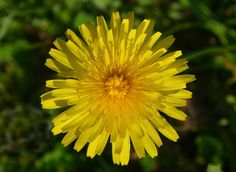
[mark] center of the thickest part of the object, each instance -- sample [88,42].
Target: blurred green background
[205,31]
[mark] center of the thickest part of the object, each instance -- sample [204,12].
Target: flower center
[117,86]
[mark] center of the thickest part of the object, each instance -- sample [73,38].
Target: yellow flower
[119,79]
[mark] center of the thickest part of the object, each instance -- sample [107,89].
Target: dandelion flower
[120,83]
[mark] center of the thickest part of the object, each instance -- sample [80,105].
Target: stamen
[117,86]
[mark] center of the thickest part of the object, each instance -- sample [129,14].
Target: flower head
[119,79]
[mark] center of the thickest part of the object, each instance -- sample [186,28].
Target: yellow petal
[165,43]
[118,145]
[59,92]
[115,156]
[181,94]
[156,119]
[169,132]
[177,82]
[60,68]
[58,128]
[151,41]
[125,153]
[111,45]
[174,112]
[59,102]
[77,109]
[62,83]
[102,141]
[135,130]
[175,102]
[69,138]
[152,132]
[88,32]
[61,58]
[149,146]
[103,25]
[155,56]
[91,151]
[145,27]
[130,17]
[82,140]
[167,59]
[114,133]
[138,146]
[124,29]
[73,37]
[115,21]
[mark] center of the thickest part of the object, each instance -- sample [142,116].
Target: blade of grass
[6,23]
[203,52]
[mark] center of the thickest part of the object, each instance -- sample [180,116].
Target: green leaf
[214,168]
[6,53]
[82,17]
[147,164]
[209,149]
[102,5]
[145,2]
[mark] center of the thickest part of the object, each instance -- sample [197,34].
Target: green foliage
[214,168]
[56,160]
[204,29]
[209,149]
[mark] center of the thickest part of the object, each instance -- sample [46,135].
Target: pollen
[117,86]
